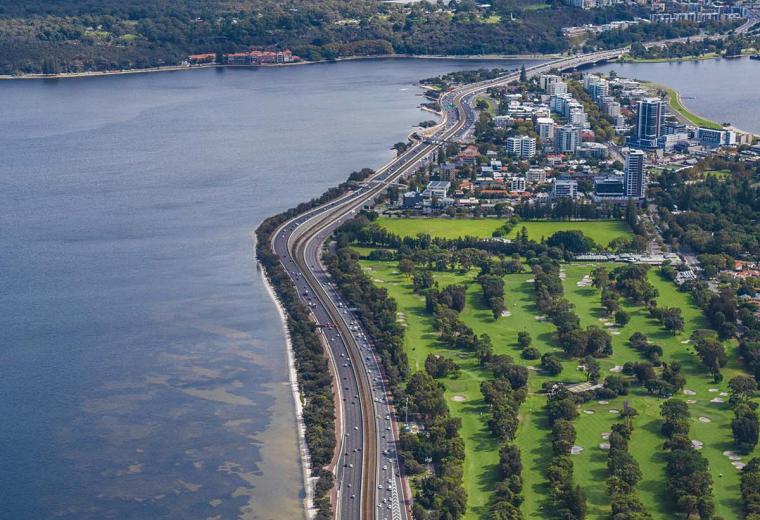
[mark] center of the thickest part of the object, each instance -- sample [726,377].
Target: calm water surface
[727,91]
[142,366]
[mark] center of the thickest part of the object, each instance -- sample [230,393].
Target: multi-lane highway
[368,479]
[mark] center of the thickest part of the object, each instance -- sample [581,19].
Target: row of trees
[625,474]
[689,480]
[568,499]
[441,494]
[744,426]
[750,487]
[376,311]
[440,449]
[575,341]
[493,293]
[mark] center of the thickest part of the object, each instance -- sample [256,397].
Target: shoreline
[181,68]
[305,457]
[686,115]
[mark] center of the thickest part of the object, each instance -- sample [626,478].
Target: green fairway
[442,227]
[465,401]
[601,231]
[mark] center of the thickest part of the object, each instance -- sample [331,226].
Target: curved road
[368,480]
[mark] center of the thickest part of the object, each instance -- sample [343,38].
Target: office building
[556,89]
[635,174]
[714,138]
[611,187]
[536,175]
[566,139]
[564,188]
[523,146]
[651,113]
[548,79]
[436,189]
[517,184]
[545,128]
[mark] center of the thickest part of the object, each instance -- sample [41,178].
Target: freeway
[369,482]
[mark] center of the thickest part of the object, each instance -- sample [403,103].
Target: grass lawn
[442,227]
[491,104]
[533,439]
[674,99]
[601,231]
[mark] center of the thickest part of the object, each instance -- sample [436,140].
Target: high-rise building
[566,139]
[545,128]
[635,174]
[556,89]
[522,146]
[548,79]
[651,113]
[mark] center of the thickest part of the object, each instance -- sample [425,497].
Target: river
[143,371]
[726,91]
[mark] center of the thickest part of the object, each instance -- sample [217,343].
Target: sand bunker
[689,392]
[576,450]
[605,446]
[686,341]
[605,435]
[691,401]
[458,398]
[723,394]
[617,368]
[738,465]
[697,444]
[612,410]
[704,419]
[603,402]
[717,400]
[712,390]
[506,314]
[589,412]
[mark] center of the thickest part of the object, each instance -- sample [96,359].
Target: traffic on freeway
[369,482]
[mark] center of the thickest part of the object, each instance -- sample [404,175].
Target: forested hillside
[73,35]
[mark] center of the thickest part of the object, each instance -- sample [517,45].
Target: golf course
[708,402]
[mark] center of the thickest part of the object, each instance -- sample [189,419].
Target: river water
[143,371]
[726,91]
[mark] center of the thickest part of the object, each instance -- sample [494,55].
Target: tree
[712,353]
[742,388]
[405,266]
[551,364]
[524,339]
[672,319]
[422,280]
[622,318]
[745,427]
[600,277]
[523,74]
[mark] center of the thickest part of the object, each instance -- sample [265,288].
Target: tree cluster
[568,499]
[625,475]
[440,494]
[689,481]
